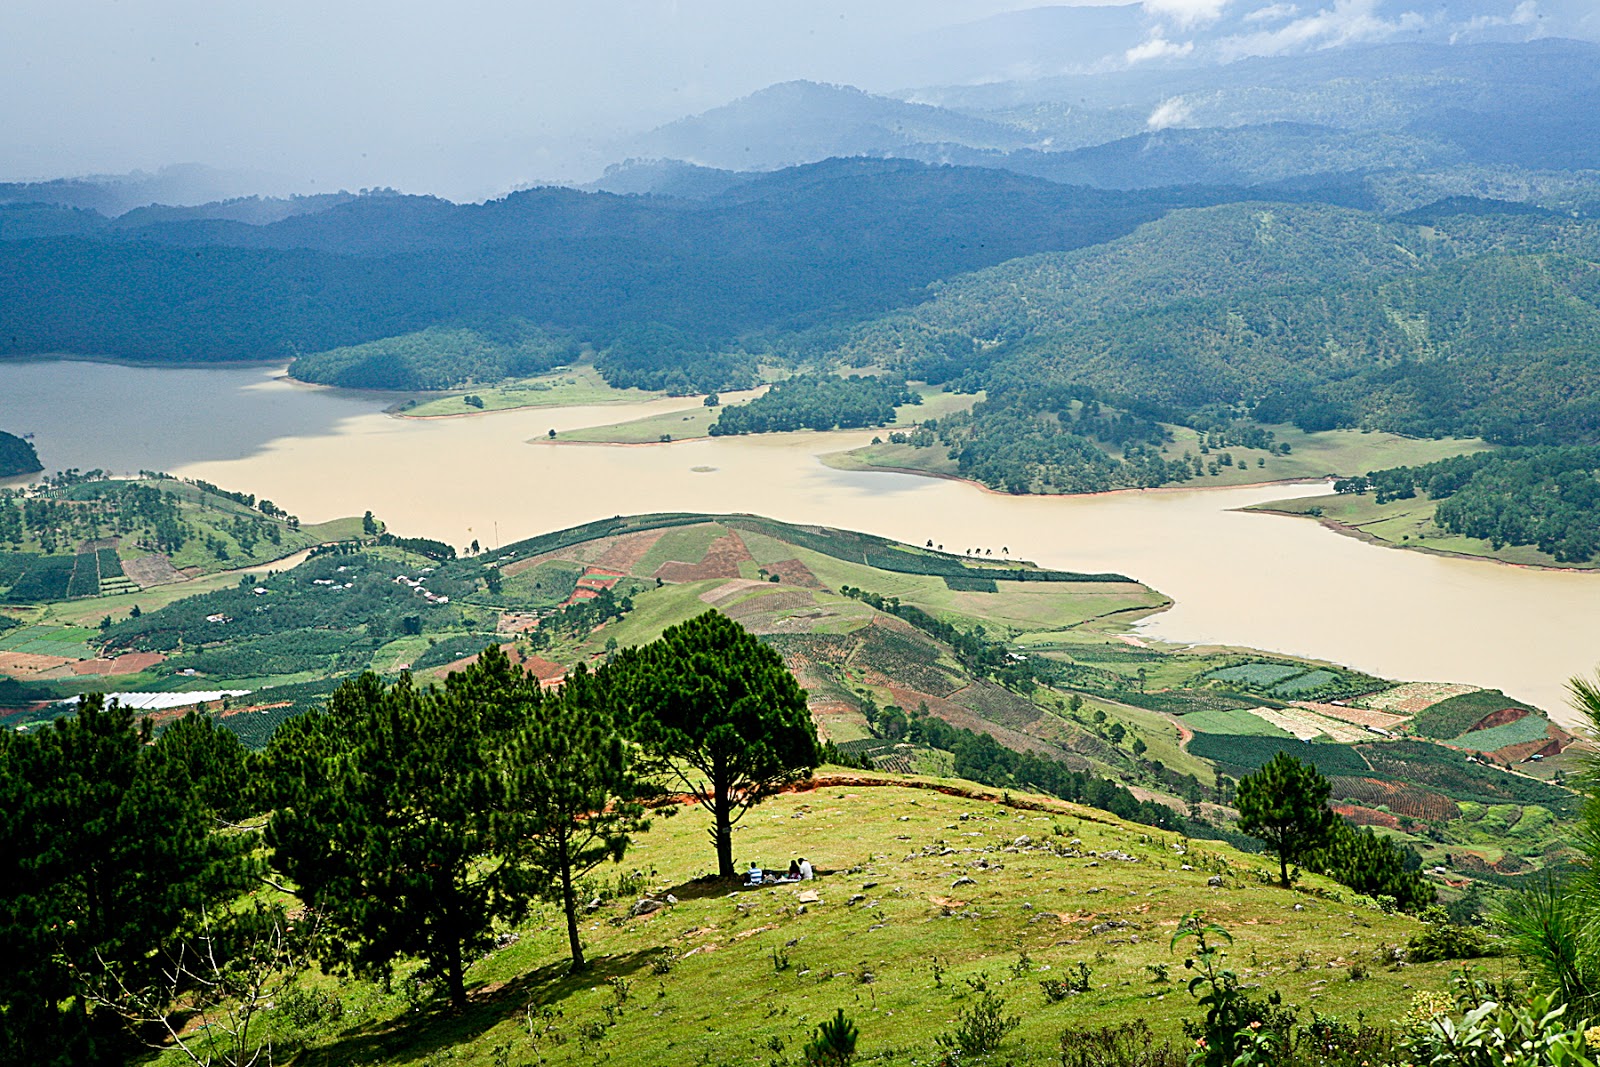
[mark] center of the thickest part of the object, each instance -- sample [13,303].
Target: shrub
[980,1029]
[1128,1045]
[833,1044]
[1442,939]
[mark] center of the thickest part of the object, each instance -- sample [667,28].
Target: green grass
[570,386]
[1232,722]
[681,425]
[745,974]
[685,544]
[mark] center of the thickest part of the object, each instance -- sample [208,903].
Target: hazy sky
[381,93]
[469,98]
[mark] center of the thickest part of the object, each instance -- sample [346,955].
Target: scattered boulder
[647,906]
[1215,881]
[963,880]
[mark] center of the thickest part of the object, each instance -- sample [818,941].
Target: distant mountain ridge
[1351,110]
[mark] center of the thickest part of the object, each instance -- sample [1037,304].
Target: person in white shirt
[806,873]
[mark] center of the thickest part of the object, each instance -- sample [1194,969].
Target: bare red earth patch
[793,572]
[722,561]
[1360,816]
[1499,718]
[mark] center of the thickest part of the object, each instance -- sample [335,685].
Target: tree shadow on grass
[704,888]
[418,1035]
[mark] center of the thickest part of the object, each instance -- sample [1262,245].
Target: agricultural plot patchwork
[1292,681]
[1048,674]
[1410,698]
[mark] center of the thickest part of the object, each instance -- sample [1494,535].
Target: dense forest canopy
[17,456]
[833,240]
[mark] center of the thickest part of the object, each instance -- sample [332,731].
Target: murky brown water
[1264,581]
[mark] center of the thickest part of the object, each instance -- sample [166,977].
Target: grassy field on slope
[892,938]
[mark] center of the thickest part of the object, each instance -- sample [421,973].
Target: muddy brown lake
[1264,581]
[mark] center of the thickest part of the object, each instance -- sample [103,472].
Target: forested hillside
[816,244]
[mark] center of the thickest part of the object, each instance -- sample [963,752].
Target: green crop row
[1243,752]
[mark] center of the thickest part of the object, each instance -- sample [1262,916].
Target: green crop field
[44,640]
[1257,675]
[1232,722]
[1247,752]
[1529,728]
[1455,716]
[1304,683]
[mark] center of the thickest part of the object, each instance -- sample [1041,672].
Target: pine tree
[108,856]
[1285,804]
[574,796]
[388,809]
[721,713]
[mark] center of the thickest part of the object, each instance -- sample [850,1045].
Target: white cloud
[1173,111]
[1273,13]
[1346,22]
[1525,14]
[1158,47]
[1186,12]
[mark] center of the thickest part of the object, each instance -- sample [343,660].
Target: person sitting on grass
[794,871]
[806,873]
[753,875]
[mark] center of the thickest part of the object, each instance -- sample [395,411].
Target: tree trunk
[722,816]
[722,834]
[570,903]
[1283,868]
[453,974]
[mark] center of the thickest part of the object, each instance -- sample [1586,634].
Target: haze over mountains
[929,86]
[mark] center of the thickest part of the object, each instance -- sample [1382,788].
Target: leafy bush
[1494,1034]
[1124,1045]
[1442,939]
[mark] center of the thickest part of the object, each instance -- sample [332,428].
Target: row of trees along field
[406,821]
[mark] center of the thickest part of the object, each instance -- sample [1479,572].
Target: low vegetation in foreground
[1026,805]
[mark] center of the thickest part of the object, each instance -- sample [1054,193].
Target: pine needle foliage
[721,713]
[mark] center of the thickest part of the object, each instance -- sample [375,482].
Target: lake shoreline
[1344,529]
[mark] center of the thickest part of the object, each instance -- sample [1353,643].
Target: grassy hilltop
[744,977]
